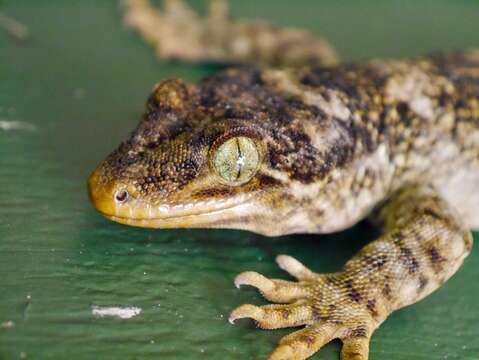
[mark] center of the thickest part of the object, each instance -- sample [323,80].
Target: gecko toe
[275,316]
[294,268]
[303,343]
[355,348]
[274,290]
[255,279]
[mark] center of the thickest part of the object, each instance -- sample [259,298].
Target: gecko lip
[145,215]
[206,219]
[168,214]
[200,214]
[211,217]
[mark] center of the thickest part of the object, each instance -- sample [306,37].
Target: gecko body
[312,149]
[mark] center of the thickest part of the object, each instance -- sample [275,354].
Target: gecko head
[212,155]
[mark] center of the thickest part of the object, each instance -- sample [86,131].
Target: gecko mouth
[117,205]
[197,215]
[212,213]
[214,218]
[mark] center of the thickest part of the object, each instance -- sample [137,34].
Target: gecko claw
[245,311]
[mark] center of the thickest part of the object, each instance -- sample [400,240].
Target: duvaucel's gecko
[289,142]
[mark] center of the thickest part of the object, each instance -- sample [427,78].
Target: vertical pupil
[239,160]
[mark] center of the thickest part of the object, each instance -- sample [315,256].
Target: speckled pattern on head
[306,149]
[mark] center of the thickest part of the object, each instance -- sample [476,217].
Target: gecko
[288,140]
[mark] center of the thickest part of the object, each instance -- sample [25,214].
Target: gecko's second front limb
[177,32]
[423,244]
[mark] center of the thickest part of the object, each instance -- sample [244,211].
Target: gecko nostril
[121,196]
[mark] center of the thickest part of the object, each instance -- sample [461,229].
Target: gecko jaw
[202,220]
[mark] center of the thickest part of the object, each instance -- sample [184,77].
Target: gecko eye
[236,160]
[121,196]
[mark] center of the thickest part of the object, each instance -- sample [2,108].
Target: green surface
[81,81]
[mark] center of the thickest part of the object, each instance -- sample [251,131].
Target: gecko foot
[326,304]
[176,30]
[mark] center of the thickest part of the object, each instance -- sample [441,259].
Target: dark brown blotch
[213,192]
[308,340]
[422,283]
[432,213]
[371,306]
[398,237]
[360,331]
[353,293]
[403,109]
[285,313]
[376,262]
[315,314]
[266,181]
[408,260]
[386,291]
[434,255]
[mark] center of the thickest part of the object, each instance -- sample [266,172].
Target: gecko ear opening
[169,96]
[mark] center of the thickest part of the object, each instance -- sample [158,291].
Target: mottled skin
[397,141]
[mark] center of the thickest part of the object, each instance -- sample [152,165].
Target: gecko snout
[104,195]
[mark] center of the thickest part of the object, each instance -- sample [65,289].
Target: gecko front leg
[177,32]
[422,246]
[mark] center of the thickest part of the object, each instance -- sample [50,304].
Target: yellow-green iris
[236,160]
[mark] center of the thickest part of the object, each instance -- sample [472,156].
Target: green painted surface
[81,81]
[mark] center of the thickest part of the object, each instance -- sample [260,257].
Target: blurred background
[70,91]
